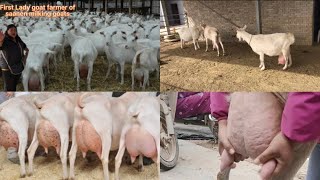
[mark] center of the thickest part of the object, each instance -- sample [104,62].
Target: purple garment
[300,118]
[192,104]
[219,105]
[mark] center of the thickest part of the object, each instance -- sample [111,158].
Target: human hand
[1,36]
[280,150]
[9,94]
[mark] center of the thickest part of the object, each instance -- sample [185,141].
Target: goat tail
[38,103]
[81,104]
[291,38]
[137,59]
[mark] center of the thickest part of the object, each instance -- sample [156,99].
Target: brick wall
[276,16]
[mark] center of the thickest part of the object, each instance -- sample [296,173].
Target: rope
[228,20]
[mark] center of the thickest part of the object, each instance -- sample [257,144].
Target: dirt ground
[190,70]
[50,168]
[62,79]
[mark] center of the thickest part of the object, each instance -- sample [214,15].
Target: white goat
[277,44]
[37,59]
[119,54]
[214,35]
[82,52]
[190,34]
[144,61]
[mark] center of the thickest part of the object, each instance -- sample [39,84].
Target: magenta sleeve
[219,105]
[301,117]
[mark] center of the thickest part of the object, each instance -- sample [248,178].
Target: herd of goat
[90,121]
[121,38]
[277,44]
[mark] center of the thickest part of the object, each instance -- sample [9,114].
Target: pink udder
[48,136]
[281,59]
[140,141]
[88,138]
[8,137]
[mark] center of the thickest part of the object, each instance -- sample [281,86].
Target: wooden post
[165,15]
[143,7]
[151,4]
[258,16]
[107,6]
[104,5]
[92,4]
[130,7]
[121,5]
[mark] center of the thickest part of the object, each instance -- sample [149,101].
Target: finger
[238,157]
[279,167]
[267,169]
[265,156]
[233,166]
[227,145]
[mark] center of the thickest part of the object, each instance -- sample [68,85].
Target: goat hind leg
[195,45]
[207,41]
[222,46]
[216,45]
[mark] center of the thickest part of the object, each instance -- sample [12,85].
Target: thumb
[227,146]
[267,155]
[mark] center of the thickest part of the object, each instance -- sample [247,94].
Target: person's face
[12,32]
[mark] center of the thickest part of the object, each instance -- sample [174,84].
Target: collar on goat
[250,39]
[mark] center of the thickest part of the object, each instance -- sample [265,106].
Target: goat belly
[140,141]
[48,136]
[254,120]
[8,137]
[87,138]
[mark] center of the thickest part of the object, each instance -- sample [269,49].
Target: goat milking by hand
[277,44]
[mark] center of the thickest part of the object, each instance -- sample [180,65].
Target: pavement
[197,162]
[200,163]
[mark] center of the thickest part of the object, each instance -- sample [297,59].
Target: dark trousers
[10,81]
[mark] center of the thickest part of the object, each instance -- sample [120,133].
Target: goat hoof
[140,168]
[218,55]
[22,176]
[224,54]
[263,68]
[207,50]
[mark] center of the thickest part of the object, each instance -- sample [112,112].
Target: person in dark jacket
[12,58]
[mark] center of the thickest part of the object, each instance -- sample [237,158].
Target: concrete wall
[276,16]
